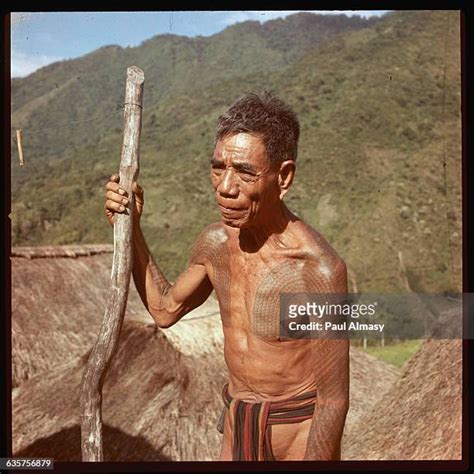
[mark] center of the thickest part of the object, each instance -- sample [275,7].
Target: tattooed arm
[331,359]
[167,302]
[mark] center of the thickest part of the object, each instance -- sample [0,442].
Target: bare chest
[250,286]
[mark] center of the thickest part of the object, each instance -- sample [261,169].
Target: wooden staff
[104,348]
[20,147]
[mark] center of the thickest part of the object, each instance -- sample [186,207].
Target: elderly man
[285,399]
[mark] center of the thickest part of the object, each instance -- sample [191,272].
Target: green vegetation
[396,354]
[370,98]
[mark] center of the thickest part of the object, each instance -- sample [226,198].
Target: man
[286,399]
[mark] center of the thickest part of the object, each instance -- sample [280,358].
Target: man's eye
[247,176]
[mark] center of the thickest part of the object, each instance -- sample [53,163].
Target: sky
[41,38]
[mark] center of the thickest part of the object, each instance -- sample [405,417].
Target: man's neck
[254,237]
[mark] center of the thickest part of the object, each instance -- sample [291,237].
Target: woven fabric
[252,422]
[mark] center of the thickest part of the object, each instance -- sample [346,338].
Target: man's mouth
[229,211]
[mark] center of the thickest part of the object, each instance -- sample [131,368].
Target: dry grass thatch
[58,302]
[162,392]
[420,417]
[56,251]
[370,379]
[158,404]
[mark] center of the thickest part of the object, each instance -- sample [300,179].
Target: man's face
[246,186]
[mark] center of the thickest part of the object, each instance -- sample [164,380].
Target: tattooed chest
[249,292]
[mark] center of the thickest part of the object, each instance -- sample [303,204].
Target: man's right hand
[117,200]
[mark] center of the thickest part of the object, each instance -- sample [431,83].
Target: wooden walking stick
[104,348]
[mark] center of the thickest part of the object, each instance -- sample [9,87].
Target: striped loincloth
[252,423]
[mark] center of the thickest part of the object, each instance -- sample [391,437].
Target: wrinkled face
[245,183]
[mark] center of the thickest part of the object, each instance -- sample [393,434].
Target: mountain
[380,150]
[94,84]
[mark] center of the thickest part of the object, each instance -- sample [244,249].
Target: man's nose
[228,185]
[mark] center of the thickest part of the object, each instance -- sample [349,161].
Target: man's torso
[248,284]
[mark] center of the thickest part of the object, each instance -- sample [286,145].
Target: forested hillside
[379,166]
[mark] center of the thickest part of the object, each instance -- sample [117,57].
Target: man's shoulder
[317,248]
[211,239]
[213,234]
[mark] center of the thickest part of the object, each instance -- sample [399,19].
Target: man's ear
[285,176]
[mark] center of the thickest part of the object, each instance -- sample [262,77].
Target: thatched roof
[56,251]
[420,417]
[158,403]
[58,302]
[370,379]
[149,371]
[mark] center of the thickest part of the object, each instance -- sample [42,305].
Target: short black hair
[267,116]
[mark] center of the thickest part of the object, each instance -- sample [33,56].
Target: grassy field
[395,354]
